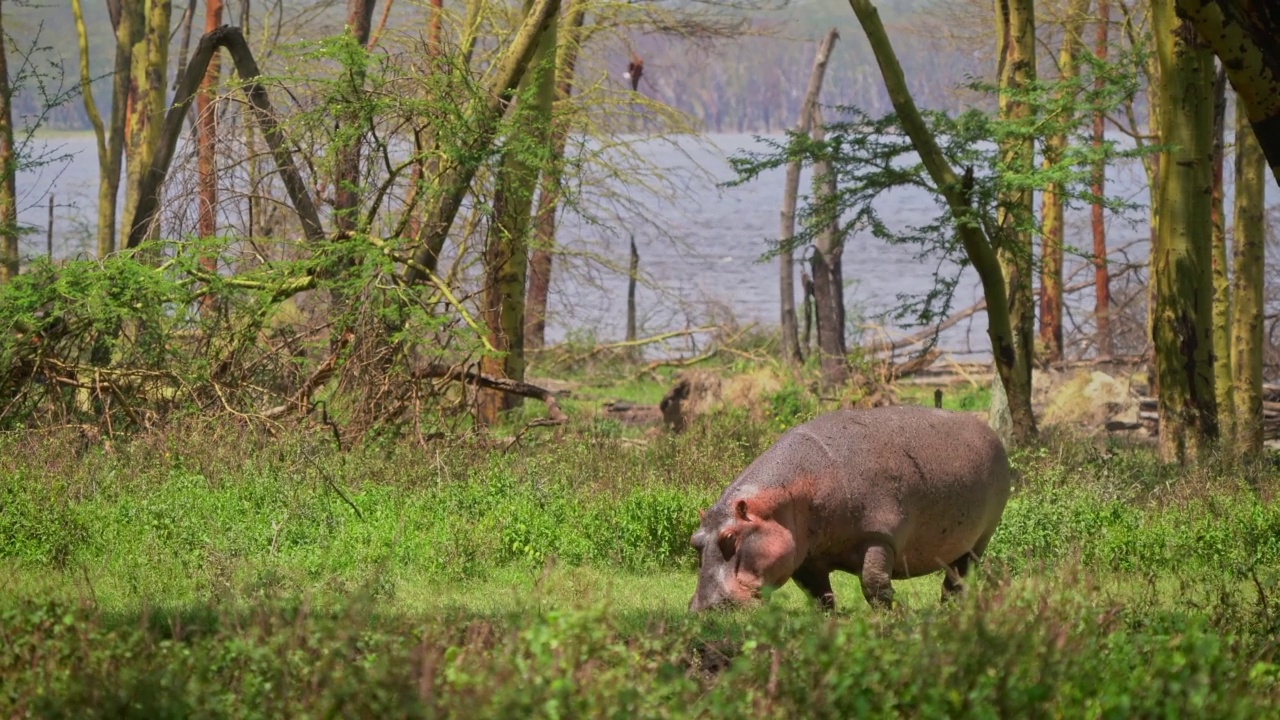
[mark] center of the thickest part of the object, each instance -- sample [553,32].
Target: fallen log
[466,376]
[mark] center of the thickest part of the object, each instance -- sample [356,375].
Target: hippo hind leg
[953,583]
[877,571]
[817,584]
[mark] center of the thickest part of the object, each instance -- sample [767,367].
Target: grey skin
[887,493]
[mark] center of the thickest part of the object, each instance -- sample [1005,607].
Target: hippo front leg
[817,584]
[877,571]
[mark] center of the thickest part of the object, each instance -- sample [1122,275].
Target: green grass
[212,574]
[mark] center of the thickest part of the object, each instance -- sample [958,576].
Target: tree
[1223,389]
[541,257]
[1015,71]
[206,135]
[506,251]
[791,351]
[150,65]
[8,172]
[1182,312]
[979,246]
[1249,246]
[1097,212]
[1242,33]
[826,262]
[1053,203]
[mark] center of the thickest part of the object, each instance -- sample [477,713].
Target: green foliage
[1116,586]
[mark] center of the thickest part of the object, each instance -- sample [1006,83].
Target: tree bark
[1182,315]
[150,67]
[106,205]
[206,134]
[8,173]
[956,191]
[791,351]
[1224,399]
[828,285]
[1242,33]
[484,115]
[1053,204]
[632,274]
[506,254]
[542,256]
[346,172]
[1249,246]
[1015,71]
[1101,275]
[247,68]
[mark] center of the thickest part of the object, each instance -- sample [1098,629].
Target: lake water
[699,244]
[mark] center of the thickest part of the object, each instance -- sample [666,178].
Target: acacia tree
[8,171]
[1015,70]
[1097,212]
[1053,203]
[1182,319]
[1243,35]
[506,243]
[542,247]
[150,65]
[1249,248]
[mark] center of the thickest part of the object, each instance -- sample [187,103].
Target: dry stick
[455,373]
[790,340]
[49,230]
[148,194]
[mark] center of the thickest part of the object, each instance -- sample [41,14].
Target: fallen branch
[454,373]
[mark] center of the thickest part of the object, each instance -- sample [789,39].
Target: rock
[700,392]
[1093,399]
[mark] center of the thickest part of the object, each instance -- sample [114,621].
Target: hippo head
[742,549]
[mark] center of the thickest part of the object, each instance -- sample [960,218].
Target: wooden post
[49,230]
[937,398]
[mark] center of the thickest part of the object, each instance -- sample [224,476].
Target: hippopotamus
[886,493]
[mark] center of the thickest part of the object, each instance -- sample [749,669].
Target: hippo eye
[728,544]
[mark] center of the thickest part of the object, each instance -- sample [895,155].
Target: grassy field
[212,573]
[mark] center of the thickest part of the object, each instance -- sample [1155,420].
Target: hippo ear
[741,509]
[702,514]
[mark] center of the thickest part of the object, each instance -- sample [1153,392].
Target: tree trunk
[506,252]
[791,351]
[1243,35]
[150,70]
[632,274]
[544,223]
[106,229]
[127,23]
[1101,275]
[8,172]
[828,287]
[148,195]
[346,171]
[206,134]
[956,191]
[1016,70]
[1248,245]
[1053,204]
[1224,399]
[1182,315]
[483,119]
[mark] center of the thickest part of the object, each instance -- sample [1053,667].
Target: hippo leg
[817,584]
[877,569]
[953,582]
